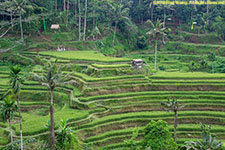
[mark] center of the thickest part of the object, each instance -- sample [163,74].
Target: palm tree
[52,78]
[119,13]
[7,110]
[156,32]
[173,105]
[20,8]
[79,11]
[16,82]
[85,20]
[165,9]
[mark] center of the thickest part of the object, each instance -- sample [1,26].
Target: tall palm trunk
[93,27]
[21,133]
[55,6]
[11,19]
[156,42]
[21,28]
[64,5]
[67,12]
[164,23]
[175,125]
[207,8]
[11,137]
[52,122]
[152,11]
[75,11]
[114,35]
[79,19]
[85,19]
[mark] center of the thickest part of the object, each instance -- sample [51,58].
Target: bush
[141,42]
[157,136]
[193,66]
[161,67]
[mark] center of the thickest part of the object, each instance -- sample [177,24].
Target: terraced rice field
[103,111]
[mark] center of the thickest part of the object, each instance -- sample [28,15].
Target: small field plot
[188,75]
[83,55]
[4,138]
[34,124]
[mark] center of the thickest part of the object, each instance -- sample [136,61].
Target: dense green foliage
[157,136]
[115,26]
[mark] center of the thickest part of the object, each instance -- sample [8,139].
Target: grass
[93,79]
[4,139]
[102,139]
[4,81]
[159,94]
[187,75]
[100,66]
[109,127]
[34,124]
[128,131]
[150,115]
[83,55]
[189,81]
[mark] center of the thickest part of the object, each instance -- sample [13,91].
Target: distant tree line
[88,19]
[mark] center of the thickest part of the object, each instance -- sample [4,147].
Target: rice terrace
[112,75]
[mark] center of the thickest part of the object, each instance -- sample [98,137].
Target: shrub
[141,42]
[157,136]
[161,67]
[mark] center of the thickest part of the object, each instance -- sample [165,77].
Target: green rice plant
[32,87]
[83,55]
[101,66]
[189,81]
[34,124]
[34,103]
[158,94]
[93,79]
[187,75]
[3,125]
[4,137]
[150,115]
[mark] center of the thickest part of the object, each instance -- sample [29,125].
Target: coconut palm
[51,78]
[16,82]
[7,110]
[119,13]
[165,9]
[85,20]
[79,11]
[20,8]
[173,105]
[156,32]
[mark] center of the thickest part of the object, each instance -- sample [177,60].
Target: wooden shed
[138,63]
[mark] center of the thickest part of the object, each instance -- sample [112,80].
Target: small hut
[138,63]
[55,26]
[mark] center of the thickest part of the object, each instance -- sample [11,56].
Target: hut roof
[137,60]
[55,26]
